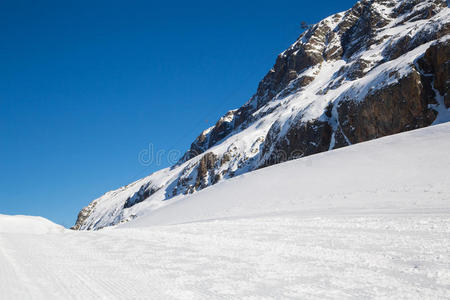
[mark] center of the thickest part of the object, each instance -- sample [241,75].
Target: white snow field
[368,221]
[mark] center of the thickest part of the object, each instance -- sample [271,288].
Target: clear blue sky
[86,85]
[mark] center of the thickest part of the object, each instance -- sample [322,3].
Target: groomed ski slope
[367,221]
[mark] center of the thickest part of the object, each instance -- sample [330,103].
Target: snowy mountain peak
[380,68]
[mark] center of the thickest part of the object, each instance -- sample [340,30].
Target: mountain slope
[402,173]
[380,68]
[303,229]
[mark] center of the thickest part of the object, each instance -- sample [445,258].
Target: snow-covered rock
[380,68]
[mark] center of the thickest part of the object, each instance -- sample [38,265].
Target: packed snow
[367,221]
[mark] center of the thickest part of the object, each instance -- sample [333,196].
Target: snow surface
[367,221]
[27,225]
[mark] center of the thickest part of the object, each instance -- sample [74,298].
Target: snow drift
[27,225]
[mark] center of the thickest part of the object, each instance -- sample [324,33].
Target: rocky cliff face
[380,68]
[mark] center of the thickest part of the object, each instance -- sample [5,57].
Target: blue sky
[85,86]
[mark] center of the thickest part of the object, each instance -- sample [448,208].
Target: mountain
[380,68]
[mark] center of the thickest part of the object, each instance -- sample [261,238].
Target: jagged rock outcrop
[380,68]
[143,194]
[394,109]
[205,174]
[436,63]
[83,215]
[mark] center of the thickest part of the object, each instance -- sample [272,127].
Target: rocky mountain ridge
[380,68]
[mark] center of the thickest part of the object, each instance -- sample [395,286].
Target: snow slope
[408,171]
[27,225]
[379,228]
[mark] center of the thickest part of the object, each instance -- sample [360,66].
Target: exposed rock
[205,167]
[397,108]
[358,69]
[144,193]
[359,27]
[413,10]
[408,43]
[302,139]
[436,61]
[83,215]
